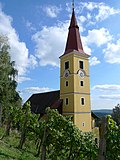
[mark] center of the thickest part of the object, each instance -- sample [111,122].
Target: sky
[37,33]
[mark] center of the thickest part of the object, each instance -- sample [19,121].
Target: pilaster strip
[74,93]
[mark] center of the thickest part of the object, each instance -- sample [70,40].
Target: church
[73,98]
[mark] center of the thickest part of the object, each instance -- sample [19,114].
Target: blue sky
[37,32]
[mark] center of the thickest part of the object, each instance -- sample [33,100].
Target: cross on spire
[73,4]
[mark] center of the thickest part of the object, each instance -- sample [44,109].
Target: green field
[9,150]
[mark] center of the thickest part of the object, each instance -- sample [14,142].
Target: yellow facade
[74,92]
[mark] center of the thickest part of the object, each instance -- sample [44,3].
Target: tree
[9,97]
[116,114]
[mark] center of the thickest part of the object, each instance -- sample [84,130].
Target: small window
[67,65]
[66,101]
[82,101]
[81,64]
[66,83]
[83,124]
[81,83]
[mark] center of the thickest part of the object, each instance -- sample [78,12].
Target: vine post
[102,144]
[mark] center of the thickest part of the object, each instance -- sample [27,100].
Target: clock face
[66,73]
[81,73]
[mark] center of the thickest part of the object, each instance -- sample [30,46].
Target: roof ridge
[47,92]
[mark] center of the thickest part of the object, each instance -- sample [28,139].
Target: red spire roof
[73,40]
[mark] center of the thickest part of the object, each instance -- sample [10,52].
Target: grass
[9,150]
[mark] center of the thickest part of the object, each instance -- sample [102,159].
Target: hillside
[102,112]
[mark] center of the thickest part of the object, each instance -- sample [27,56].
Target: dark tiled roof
[39,102]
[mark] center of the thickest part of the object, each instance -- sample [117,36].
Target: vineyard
[56,137]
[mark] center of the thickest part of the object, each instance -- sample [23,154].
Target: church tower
[75,79]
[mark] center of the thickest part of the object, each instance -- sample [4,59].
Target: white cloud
[90,5]
[52,11]
[85,45]
[68,7]
[105,12]
[89,16]
[21,79]
[29,25]
[105,95]
[19,53]
[82,19]
[107,87]
[33,90]
[113,96]
[99,36]
[33,61]
[50,43]
[95,11]
[112,52]
[18,50]
[94,61]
